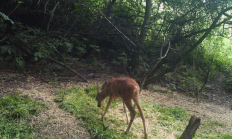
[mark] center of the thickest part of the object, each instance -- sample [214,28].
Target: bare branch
[158,61]
[14,9]
[51,15]
[116,28]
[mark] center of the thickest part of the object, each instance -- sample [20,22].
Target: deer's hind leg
[137,103]
[125,110]
[132,114]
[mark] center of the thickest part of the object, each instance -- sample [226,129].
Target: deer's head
[100,95]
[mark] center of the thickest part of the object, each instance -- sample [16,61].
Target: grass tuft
[177,113]
[14,112]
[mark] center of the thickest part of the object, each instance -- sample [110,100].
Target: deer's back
[123,87]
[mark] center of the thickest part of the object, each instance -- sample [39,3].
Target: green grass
[176,113]
[208,130]
[214,123]
[162,121]
[14,113]
[224,136]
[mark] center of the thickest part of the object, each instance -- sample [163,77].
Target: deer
[126,89]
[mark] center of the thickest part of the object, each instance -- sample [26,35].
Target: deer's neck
[105,93]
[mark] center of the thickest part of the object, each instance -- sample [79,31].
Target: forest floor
[55,123]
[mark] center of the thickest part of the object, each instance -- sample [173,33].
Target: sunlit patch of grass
[209,130]
[224,136]
[14,112]
[177,113]
[214,123]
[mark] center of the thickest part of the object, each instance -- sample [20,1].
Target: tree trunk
[134,61]
[191,128]
[145,21]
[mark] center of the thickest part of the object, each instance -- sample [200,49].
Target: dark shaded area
[125,35]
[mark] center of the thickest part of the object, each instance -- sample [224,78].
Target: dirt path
[52,122]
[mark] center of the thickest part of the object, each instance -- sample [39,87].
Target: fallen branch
[90,76]
[62,64]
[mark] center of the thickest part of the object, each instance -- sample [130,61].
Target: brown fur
[126,89]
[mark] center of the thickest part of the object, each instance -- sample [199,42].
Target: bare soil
[54,122]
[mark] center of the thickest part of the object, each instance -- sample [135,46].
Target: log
[191,128]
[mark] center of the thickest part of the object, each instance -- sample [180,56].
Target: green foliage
[98,64]
[229,83]
[185,79]
[120,60]
[14,112]
[91,91]
[188,83]
[40,47]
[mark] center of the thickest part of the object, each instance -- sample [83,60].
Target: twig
[159,59]
[46,6]
[14,9]
[51,16]
[3,39]
[116,27]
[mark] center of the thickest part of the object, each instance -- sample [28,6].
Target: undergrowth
[160,121]
[15,112]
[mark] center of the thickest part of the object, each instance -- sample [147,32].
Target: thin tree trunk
[145,21]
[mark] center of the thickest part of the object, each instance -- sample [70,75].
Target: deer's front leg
[103,115]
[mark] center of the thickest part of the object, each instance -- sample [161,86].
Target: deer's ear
[104,85]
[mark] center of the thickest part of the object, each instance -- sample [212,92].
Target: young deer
[123,88]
